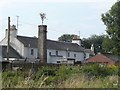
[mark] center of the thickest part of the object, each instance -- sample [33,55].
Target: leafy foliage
[10,79]
[97,40]
[100,70]
[66,37]
[112,21]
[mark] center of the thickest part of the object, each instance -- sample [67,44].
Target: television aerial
[43,17]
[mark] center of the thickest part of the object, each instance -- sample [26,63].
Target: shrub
[100,70]
[65,71]
[45,70]
[113,70]
[10,79]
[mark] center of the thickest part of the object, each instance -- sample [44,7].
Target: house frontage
[23,47]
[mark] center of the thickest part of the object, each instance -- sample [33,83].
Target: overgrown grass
[80,81]
[64,76]
[0,80]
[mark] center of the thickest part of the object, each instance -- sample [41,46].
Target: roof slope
[100,58]
[55,45]
[113,57]
[12,54]
[89,51]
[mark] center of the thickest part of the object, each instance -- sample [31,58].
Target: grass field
[0,80]
[65,76]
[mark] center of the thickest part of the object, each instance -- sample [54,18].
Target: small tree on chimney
[43,17]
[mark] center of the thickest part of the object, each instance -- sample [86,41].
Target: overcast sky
[63,16]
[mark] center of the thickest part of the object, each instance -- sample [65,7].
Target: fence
[27,65]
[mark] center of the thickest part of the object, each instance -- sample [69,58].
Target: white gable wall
[29,54]
[3,42]
[18,46]
[87,55]
[15,43]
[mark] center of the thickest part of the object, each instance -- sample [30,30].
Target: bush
[113,70]
[45,70]
[10,79]
[100,70]
[65,71]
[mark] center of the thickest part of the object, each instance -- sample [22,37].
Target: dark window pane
[32,51]
[56,52]
[68,54]
[74,55]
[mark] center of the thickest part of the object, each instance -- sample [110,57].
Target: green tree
[112,21]
[66,37]
[107,46]
[97,40]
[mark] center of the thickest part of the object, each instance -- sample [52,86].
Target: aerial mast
[43,17]
[17,21]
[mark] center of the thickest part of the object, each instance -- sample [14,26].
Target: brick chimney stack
[42,43]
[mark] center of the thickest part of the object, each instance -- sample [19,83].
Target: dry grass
[80,81]
[30,83]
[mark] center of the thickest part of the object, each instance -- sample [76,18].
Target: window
[56,53]
[32,51]
[49,53]
[74,55]
[58,61]
[68,54]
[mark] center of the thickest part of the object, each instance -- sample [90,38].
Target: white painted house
[57,52]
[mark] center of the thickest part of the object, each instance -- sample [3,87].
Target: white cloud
[4,1]
[74,0]
[103,5]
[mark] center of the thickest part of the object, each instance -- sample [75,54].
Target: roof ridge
[26,36]
[61,41]
[47,39]
[14,52]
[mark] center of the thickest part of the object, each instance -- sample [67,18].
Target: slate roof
[113,57]
[12,54]
[99,58]
[55,45]
[89,51]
